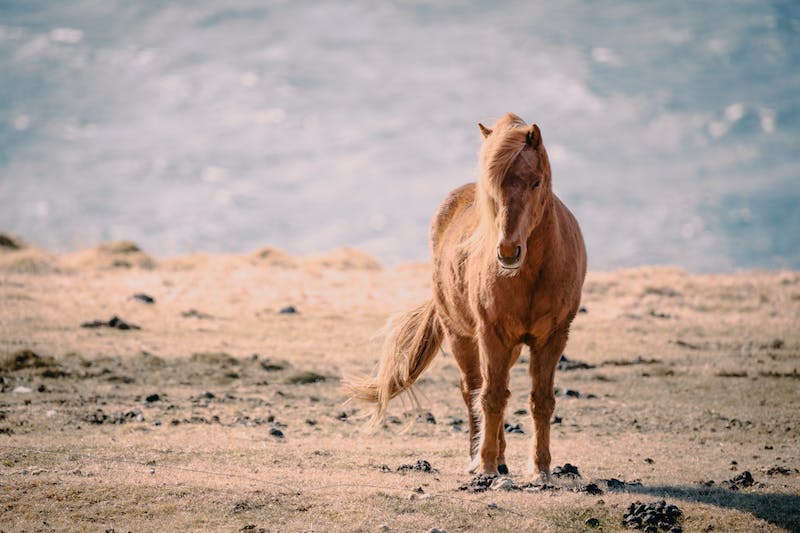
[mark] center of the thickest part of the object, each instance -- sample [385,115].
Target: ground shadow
[780,509]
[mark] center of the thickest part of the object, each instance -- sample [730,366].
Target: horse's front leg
[542,400]
[495,361]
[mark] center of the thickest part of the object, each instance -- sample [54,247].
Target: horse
[509,263]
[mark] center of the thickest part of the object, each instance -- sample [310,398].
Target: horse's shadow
[780,509]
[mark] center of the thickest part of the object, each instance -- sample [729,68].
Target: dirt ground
[223,413]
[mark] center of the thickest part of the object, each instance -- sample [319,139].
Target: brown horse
[508,267]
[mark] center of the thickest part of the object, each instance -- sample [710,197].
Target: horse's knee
[494,401]
[542,405]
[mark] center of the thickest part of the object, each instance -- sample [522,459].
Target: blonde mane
[497,154]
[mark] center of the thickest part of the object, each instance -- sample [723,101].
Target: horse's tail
[413,341]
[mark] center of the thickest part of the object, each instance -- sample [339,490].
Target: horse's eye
[536,184]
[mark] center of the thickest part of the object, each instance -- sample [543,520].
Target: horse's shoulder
[453,202]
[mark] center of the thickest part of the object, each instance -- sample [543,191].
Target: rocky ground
[203,393]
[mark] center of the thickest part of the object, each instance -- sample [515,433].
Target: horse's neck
[543,237]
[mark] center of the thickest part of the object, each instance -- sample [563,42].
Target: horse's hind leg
[465,352]
[542,400]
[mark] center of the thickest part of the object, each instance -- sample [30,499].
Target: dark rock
[275,432]
[426,417]
[25,359]
[152,398]
[305,377]
[288,310]
[592,489]
[652,516]
[513,428]
[115,323]
[557,420]
[572,393]
[420,466]
[778,470]
[194,313]
[567,470]
[479,483]
[273,365]
[142,297]
[616,484]
[565,363]
[41,388]
[592,522]
[582,310]
[207,395]
[743,480]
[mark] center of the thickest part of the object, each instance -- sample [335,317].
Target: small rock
[288,310]
[503,483]
[142,297]
[743,480]
[207,395]
[420,466]
[567,470]
[273,365]
[21,389]
[569,393]
[592,489]
[592,522]
[564,363]
[194,313]
[513,428]
[115,322]
[479,483]
[152,398]
[778,470]
[277,433]
[436,530]
[557,420]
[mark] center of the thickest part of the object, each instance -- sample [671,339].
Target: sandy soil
[223,413]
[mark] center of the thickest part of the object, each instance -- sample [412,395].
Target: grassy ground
[692,379]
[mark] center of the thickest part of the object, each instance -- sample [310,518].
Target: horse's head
[515,186]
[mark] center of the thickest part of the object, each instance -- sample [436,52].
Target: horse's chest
[520,312]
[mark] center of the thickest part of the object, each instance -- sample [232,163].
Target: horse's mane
[497,154]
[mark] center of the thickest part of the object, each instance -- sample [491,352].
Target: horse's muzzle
[512,261]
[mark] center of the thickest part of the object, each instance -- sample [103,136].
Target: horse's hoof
[502,470]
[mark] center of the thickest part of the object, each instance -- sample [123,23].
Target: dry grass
[711,379]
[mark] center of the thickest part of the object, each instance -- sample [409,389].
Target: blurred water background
[212,126]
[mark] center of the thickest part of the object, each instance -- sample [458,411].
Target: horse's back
[454,203]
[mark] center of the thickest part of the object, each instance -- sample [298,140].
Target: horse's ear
[484,130]
[534,137]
